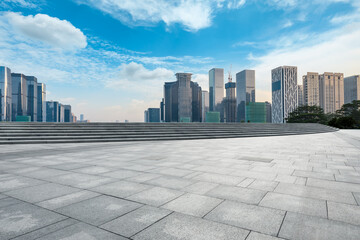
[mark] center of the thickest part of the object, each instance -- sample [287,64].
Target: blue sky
[110,58]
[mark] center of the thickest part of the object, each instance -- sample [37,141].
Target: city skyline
[112,74]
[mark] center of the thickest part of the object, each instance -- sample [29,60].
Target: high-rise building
[351,88]
[216,89]
[245,92]
[82,117]
[67,113]
[268,112]
[31,82]
[179,103]
[256,112]
[152,115]
[5,94]
[284,92]
[19,96]
[162,110]
[52,111]
[41,102]
[331,91]
[61,117]
[300,95]
[230,102]
[311,91]
[204,104]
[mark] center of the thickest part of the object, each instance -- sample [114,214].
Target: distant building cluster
[23,99]
[184,101]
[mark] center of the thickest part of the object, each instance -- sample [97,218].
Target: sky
[109,59]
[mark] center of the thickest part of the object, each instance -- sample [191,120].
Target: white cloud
[192,14]
[19,3]
[58,33]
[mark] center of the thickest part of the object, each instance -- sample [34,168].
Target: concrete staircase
[31,133]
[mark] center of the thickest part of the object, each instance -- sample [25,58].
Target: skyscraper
[268,112]
[284,92]
[216,89]
[245,92]
[52,111]
[351,88]
[331,91]
[204,104]
[152,115]
[41,102]
[31,82]
[162,110]
[67,113]
[230,102]
[5,94]
[300,95]
[311,91]
[179,103]
[19,95]
[61,116]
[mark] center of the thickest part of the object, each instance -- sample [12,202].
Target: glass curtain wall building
[216,90]
[196,102]
[256,112]
[61,117]
[19,96]
[52,111]
[204,104]
[152,115]
[245,92]
[5,94]
[67,113]
[230,102]
[41,102]
[31,82]
[351,88]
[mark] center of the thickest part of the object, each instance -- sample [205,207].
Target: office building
[41,102]
[19,96]
[179,103]
[67,113]
[162,110]
[268,112]
[230,102]
[61,117]
[256,112]
[284,92]
[351,88]
[5,94]
[204,104]
[300,95]
[152,115]
[52,111]
[212,117]
[245,92]
[331,91]
[82,117]
[311,89]
[216,89]
[31,82]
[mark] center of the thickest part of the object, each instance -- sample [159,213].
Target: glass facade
[152,115]
[52,111]
[213,117]
[61,116]
[32,97]
[204,105]
[216,88]
[245,92]
[351,88]
[19,96]
[184,95]
[67,113]
[41,102]
[256,112]
[230,102]
[5,94]
[196,102]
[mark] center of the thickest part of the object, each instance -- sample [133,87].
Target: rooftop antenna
[230,77]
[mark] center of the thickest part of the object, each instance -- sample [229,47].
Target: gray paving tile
[259,236]
[260,219]
[155,196]
[172,171]
[3,196]
[341,186]
[219,178]
[193,204]
[92,170]
[200,187]
[263,185]
[121,189]
[69,166]
[16,182]
[68,199]
[170,182]
[22,218]
[98,210]
[245,195]
[4,202]
[81,180]
[344,212]
[295,204]
[44,173]
[357,198]
[315,192]
[121,174]
[305,227]
[349,179]
[246,182]
[143,177]
[183,227]
[135,221]
[326,176]
[81,231]
[41,192]
[47,230]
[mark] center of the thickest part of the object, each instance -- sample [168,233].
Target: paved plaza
[266,188]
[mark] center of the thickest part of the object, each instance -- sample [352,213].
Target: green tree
[348,116]
[307,114]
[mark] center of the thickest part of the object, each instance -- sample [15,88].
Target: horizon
[118,71]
